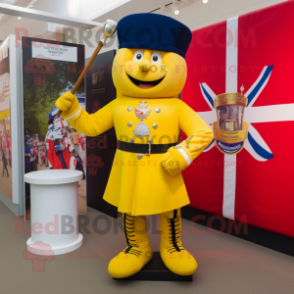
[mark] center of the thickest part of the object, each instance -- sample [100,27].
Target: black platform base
[155,270]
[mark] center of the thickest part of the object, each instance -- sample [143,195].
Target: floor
[226,264]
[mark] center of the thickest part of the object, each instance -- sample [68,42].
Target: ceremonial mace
[109,29]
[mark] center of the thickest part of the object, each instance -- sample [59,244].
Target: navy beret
[154,32]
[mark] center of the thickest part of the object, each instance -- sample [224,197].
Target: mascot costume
[149,72]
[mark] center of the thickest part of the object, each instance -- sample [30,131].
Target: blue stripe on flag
[207,95]
[260,84]
[258,149]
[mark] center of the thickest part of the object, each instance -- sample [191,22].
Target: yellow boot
[138,252]
[176,258]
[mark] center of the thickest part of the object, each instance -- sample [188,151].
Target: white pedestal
[54,211]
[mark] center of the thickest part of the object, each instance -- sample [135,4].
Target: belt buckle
[149,150]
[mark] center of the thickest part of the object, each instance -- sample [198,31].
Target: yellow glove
[175,161]
[69,104]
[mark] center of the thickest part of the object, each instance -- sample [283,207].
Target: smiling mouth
[145,84]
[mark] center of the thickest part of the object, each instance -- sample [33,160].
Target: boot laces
[129,228]
[174,235]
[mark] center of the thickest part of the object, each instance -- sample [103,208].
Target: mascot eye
[156,58]
[138,56]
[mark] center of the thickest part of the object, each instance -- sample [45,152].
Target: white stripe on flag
[229,186]
[232,55]
[231,86]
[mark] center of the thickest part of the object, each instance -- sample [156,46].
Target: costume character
[58,148]
[149,72]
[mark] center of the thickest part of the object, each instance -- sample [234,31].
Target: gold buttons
[150,141]
[132,140]
[157,110]
[130,124]
[140,156]
[129,108]
[155,126]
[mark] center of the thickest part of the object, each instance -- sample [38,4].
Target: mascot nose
[145,65]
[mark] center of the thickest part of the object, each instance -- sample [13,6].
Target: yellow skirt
[143,187]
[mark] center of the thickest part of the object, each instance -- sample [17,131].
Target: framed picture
[50,69]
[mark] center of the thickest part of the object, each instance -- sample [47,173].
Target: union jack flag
[254,50]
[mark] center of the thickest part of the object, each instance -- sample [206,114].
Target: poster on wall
[7,98]
[49,70]
[242,88]
[101,149]
[5,131]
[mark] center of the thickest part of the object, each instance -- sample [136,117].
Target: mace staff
[109,29]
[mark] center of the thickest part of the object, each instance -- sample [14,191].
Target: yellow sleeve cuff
[72,115]
[181,156]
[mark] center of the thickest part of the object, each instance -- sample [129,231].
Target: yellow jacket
[147,186]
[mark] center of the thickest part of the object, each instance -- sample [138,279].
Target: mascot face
[148,73]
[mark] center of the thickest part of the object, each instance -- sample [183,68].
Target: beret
[153,32]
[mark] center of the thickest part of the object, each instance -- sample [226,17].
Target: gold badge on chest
[142,113]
